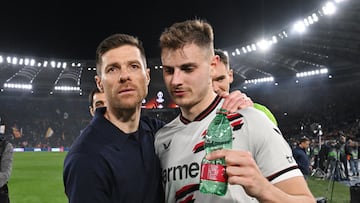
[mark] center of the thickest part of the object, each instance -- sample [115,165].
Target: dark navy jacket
[302,160]
[106,165]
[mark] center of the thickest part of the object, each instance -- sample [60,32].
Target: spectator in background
[222,77]
[354,157]
[301,157]
[6,156]
[96,100]
[344,154]
[188,59]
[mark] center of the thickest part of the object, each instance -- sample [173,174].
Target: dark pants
[344,161]
[4,194]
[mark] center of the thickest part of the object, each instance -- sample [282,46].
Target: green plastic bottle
[213,179]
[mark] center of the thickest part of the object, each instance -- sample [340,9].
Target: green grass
[37,178]
[323,188]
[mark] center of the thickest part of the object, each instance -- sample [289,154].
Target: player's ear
[231,75]
[99,83]
[147,76]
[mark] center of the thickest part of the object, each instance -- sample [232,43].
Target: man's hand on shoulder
[235,100]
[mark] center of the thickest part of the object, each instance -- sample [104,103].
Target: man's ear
[147,76]
[215,60]
[99,83]
[231,75]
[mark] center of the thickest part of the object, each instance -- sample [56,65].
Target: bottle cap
[221,111]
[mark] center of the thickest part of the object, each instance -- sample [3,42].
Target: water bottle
[213,179]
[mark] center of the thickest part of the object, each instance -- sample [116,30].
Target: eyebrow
[181,66]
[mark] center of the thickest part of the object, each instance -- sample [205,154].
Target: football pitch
[37,178]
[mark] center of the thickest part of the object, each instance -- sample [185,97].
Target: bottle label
[215,172]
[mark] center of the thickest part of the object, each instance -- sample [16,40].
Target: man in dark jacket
[302,159]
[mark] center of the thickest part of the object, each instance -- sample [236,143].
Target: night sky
[67,30]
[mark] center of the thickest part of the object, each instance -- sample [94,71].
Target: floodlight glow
[324,71]
[306,22]
[21,61]
[237,51]
[263,44]
[312,72]
[329,8]
[285,34]
[248,48]
[32,62]
[45,63]
[259,80]
[14,61]
[26,61]
[299,27]
[310,20]
[18,86]
[67,88]
[253,47]
[244,50]
[315,17]
[274,39]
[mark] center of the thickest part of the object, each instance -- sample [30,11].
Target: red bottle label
[213,172]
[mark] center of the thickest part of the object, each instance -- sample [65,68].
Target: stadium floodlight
[263,44]
[329,8]
[67,88]
[244,50]
[45,63]
[312,73]
[259,80]
[18,86]
[299,27]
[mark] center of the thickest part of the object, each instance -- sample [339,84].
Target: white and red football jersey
[180,147]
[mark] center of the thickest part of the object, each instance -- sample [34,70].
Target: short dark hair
[91,96]
[223,57]
[115,41]
[304,139]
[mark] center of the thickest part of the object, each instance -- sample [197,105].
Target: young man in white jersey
[260,167]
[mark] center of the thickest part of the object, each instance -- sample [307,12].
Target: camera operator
[323,156]
[334,161]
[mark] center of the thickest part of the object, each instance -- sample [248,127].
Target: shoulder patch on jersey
[167,145]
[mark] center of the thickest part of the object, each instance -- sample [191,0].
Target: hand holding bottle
[241,169]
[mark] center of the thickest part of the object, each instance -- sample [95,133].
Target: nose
[124,75]
[216,88]
[177,77]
